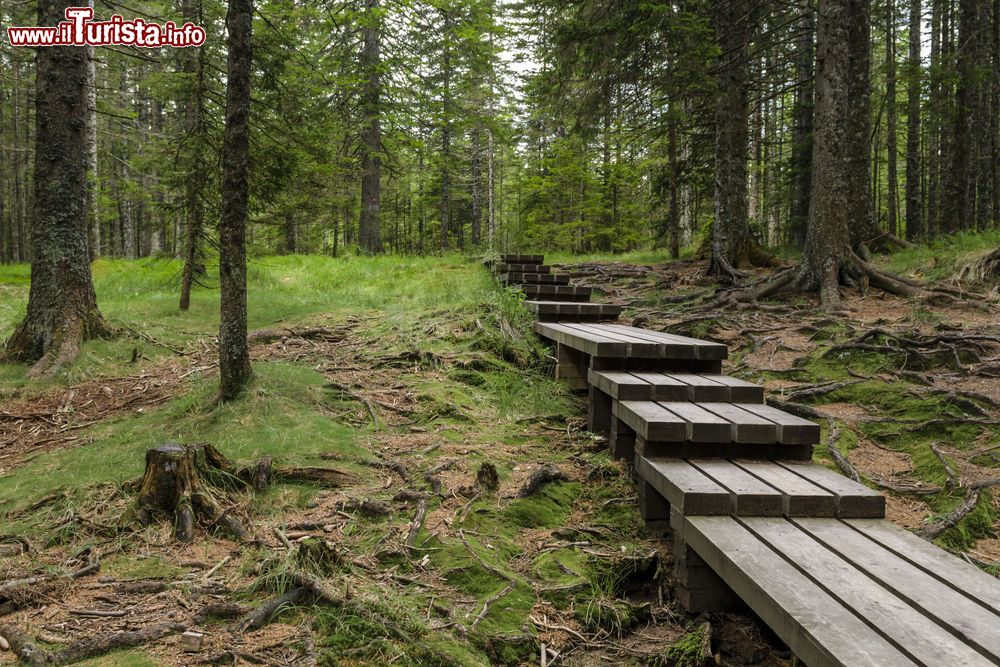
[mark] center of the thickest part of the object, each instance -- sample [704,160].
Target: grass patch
[939,258]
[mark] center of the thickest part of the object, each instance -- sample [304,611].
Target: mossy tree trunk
[234,353]
[62,304]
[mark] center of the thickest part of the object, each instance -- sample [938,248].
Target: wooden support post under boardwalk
[598,411]
[571,365]
[696,586]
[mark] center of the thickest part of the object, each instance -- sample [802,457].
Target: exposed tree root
[30,654]
[838,458]
[979,269]
[540,478]
[182,481]
[852,272]
[261,336]
[263,614]
[935,528]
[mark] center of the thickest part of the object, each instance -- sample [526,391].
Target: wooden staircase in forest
[730,480]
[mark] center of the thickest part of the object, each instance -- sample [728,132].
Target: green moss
[122,659]
[686,651]
[548,508]
[145,567]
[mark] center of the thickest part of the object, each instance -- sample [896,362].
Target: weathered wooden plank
[702,425]
[538,278]
[800,496]
[652,421]
[967,619]
[663,387]
[622,385]
[740,391]
[921,638]
[855,501]
[816,626]
[792,430]
[685,487]
[748,496]
[635,348]
[955,572]
[557,292]
[587,343]
[522,268]
[702,389]
[705,349]
[746,427]
[573,308]
[522,259]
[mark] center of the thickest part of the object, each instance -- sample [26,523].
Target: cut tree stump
[178,483]
[183,481]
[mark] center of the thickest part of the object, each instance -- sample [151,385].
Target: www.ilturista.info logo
[80,30]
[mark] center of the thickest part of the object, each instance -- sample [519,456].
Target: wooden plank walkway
[750,516]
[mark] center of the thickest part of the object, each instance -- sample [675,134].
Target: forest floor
[412,375]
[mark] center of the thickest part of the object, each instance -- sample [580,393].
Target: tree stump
[178,482]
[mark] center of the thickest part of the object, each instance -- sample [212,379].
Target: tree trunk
[914,212]
[94,225]
[476,188]
[194,64]
[890,127]
[673,208]
[234,354]
[802,134]
[731,230]
[960,203]
[62,305]
[863,227]
[446,131]
[369,224]
[290,231]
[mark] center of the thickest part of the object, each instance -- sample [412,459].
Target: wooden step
[756,488]
[696,387]
[522,259]
[557,292]
[618,341]
[533,278]
[522,268]
[837,597]
[552,311]
[743,423]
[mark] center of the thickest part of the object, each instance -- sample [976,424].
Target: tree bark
[369,224]
[802,134]
[476,187]
[234,354]
[892,197]
[446,130]
[731,241]
[62,304]
[94,224]
[959,207]
[863,228]
[914,211]
[194,64]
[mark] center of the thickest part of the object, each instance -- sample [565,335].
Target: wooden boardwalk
[730,480]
